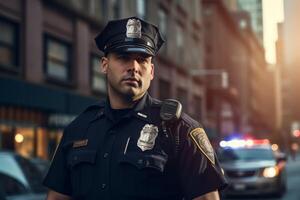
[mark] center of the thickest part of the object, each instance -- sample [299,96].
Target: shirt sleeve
[199,169]
[58,176]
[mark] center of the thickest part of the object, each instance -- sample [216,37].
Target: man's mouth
[132,81]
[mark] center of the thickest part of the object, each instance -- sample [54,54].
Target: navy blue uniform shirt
[126,155]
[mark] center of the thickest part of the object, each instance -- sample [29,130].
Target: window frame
[182,96]
[198,108]
[138,6]
[163,13]
[164,89]
[92,73]
[179,42]
[69,79]
[15,48]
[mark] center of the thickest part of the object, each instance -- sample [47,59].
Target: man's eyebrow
[143,55]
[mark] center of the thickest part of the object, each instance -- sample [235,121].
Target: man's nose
[133,65]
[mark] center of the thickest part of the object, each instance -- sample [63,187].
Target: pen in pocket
[126,146]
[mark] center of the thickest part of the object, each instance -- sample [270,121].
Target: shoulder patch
[201,140]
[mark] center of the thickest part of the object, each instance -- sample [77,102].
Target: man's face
[128,74]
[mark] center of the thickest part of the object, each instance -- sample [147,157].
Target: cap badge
[147,137]
[134,28]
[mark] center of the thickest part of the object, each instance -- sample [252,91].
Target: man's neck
[120,103]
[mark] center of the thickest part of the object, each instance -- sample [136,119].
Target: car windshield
[33,175]
[245,154]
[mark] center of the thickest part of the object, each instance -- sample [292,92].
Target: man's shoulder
[94,107]
[188,121]
[87,115]
[155,102]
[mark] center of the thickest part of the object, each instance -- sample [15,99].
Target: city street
[293,192]
[118,85]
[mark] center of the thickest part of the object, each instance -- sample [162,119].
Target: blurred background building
[212,62]
[254,8]
[288,60]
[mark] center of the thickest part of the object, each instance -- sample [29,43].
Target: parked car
[20,179]
[42,165]
[252,168]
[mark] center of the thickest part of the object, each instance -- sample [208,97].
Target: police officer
[125,147]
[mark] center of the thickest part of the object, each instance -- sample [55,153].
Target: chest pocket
[142,174]
[81,163]
[147,161]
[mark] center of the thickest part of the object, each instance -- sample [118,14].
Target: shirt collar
[140,110]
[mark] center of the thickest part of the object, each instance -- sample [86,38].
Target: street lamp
[212,72]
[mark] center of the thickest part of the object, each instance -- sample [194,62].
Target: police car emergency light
[238,143]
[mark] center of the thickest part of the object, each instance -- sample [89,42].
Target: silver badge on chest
[147,137]
[134,28]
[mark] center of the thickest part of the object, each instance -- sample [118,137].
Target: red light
[263,141]
[296,133]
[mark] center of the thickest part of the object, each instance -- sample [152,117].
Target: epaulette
[87,114]
[156,103]
[98,105]
[188,121]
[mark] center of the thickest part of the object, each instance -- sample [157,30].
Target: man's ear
[152,71]
[104,64]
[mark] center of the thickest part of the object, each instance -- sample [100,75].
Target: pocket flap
[142,161]
[82,156]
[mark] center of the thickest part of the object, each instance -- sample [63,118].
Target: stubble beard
[125,92]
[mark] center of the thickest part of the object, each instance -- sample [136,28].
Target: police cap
[130,35]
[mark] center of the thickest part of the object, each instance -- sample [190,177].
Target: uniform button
[105,155]
[100,113]
[147,163]
[103,186]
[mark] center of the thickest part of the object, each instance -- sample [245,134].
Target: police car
[252,168]
[20,179]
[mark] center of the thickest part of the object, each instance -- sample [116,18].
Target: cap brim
[134,49]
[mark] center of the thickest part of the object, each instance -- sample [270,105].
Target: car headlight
[270,172]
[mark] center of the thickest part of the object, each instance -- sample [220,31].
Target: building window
[162,21]
[9,44]
[164,90]
[179,2]
[25,146]
[116,9]
[196,10]
[162,25]
[57,59]
[197,103]
[104,9]
[141,8]
[98,80]
[182,97]
[179,44]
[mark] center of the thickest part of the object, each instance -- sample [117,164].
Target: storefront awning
[24,94]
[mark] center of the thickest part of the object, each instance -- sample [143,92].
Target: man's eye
[142,60]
